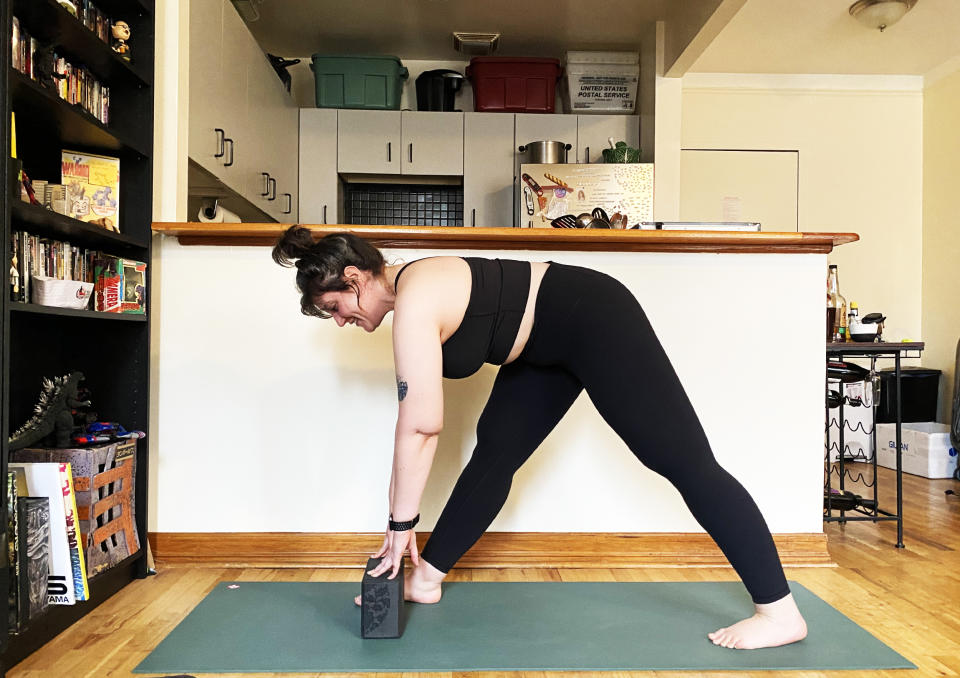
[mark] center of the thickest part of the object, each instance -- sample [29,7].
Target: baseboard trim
[494,550]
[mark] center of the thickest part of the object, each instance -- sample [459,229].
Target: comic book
[93,188]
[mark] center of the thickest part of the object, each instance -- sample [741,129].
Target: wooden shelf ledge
[435,237]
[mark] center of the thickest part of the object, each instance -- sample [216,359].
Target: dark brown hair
[320,263]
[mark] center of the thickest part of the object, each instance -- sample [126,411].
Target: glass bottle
[836,308]
[853,318]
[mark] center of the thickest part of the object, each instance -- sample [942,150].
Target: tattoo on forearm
[401,388]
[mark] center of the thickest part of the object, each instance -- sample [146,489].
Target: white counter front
[268,421]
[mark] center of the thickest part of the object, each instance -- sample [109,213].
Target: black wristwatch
[405,525]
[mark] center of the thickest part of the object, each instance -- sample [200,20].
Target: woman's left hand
[397,544]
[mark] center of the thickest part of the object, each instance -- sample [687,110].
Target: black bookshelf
[111,349]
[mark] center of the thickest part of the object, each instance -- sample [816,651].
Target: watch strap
[403,525]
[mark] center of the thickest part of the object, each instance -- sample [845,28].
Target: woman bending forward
[556,330]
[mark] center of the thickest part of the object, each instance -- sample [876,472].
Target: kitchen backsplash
[403,205]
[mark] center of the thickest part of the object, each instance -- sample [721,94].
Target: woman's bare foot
[774,624]
[421,584]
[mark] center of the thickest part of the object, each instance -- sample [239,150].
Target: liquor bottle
[836,308]
[853,319]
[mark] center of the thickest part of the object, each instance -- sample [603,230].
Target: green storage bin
[371,82]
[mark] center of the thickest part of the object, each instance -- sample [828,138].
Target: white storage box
[601,82]
[60,293]
[926,449]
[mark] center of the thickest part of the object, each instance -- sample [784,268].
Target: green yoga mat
[315,627]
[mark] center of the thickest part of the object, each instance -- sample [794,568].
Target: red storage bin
[514,84]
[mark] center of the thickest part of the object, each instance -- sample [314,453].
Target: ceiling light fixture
[476,43]
[880,13]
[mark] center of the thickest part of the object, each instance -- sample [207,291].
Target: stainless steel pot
[544,152]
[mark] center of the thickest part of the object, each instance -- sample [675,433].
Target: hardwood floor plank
[908,598]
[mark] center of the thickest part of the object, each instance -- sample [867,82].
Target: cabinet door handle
[289,204]
[221,135]
[389,159]
[324,214]
[266,184]
[229,162]
[588,154]
[411,152]
[473,217]
[273,188]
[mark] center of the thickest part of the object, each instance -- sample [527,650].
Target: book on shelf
[73,83]
[43,480]
[43,257]
[93,188]
[33,522]
[74,540]
[13,566]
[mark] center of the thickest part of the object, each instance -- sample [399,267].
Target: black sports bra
[498,298]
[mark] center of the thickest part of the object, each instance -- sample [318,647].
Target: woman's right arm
[419,368]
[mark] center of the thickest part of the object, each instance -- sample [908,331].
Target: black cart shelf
[872,511]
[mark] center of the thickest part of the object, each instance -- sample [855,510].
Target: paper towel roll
[216,214]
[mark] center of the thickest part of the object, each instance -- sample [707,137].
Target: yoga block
[381,610]
[103,482]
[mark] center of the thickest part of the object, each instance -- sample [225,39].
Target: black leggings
[590,332]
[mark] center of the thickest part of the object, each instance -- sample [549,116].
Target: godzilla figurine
[52,423]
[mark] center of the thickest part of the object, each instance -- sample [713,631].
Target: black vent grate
[406,205]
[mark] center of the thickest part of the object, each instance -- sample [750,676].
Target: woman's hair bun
[295,243]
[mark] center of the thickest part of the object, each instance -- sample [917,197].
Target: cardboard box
[926,449]
[103,479]
[121,285]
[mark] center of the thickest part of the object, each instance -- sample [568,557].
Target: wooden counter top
[430,237]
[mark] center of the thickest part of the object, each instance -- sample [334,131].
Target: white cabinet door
[288,170]
[318,186]
[368,142]
[260,136]
[232,107]
[432,143]
[488,169]
[593,132]
[203,143]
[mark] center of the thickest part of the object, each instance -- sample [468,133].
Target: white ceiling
[423,29]
[820,36]
[764,36]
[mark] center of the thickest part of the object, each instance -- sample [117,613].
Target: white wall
[941,233]
[272,421]
[861,170]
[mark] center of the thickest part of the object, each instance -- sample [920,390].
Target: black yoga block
[381,609]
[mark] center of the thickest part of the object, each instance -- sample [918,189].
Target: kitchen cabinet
[489,153]
[318,186]
[432,143]
[368,142]
[593,132]
[399,142]
[271,169]
[206,85]
[243,123]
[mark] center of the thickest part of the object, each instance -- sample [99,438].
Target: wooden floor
[909,598]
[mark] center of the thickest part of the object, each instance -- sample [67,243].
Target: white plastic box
[926,449]
[601,82]
[62,293]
